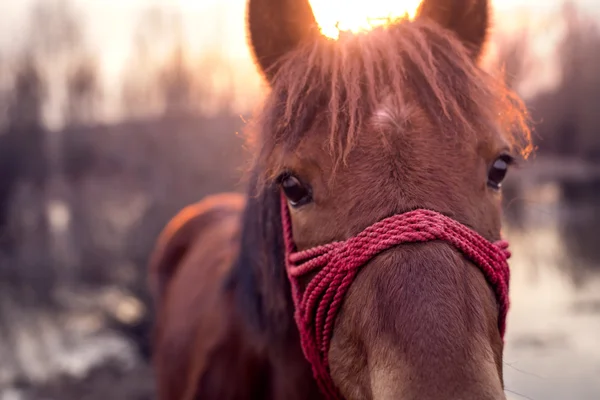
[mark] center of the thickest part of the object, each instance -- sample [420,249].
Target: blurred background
[114,114]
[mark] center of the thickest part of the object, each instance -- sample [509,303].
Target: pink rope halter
[338,263]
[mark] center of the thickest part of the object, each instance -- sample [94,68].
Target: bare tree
[514,57]
[569,114]
[157,34]
[217,82]
[176,84]
[24,137]
[55,29]
[83,93]
[57,41]
[26,270]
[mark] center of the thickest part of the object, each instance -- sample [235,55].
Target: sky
[109,26]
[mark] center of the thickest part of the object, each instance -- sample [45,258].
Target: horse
[365,260]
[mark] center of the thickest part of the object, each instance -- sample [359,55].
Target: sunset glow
[355,16]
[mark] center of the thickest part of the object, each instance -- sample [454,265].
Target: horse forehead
[397,112]
[384,115]
[397,115]
[392,111]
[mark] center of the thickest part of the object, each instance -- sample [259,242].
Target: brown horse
[353,131]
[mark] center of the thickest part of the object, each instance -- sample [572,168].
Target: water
[553,338]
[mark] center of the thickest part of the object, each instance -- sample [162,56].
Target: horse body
[353,132]
[202,347]
[196,317]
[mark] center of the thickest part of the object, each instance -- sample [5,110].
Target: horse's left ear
[468,19]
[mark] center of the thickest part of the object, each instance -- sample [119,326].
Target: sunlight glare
[334,16]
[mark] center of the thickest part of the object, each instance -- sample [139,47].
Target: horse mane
[262,294]
[346,80]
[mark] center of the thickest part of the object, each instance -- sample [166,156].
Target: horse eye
[295,191]
[498,171]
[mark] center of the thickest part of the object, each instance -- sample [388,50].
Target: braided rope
[338,263]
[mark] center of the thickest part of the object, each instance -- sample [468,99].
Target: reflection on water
[553,337]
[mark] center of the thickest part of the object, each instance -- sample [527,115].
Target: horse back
[214,219]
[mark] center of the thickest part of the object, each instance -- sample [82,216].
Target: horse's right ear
[276,27]
[468,19]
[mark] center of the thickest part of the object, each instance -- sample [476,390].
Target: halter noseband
[337,263]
